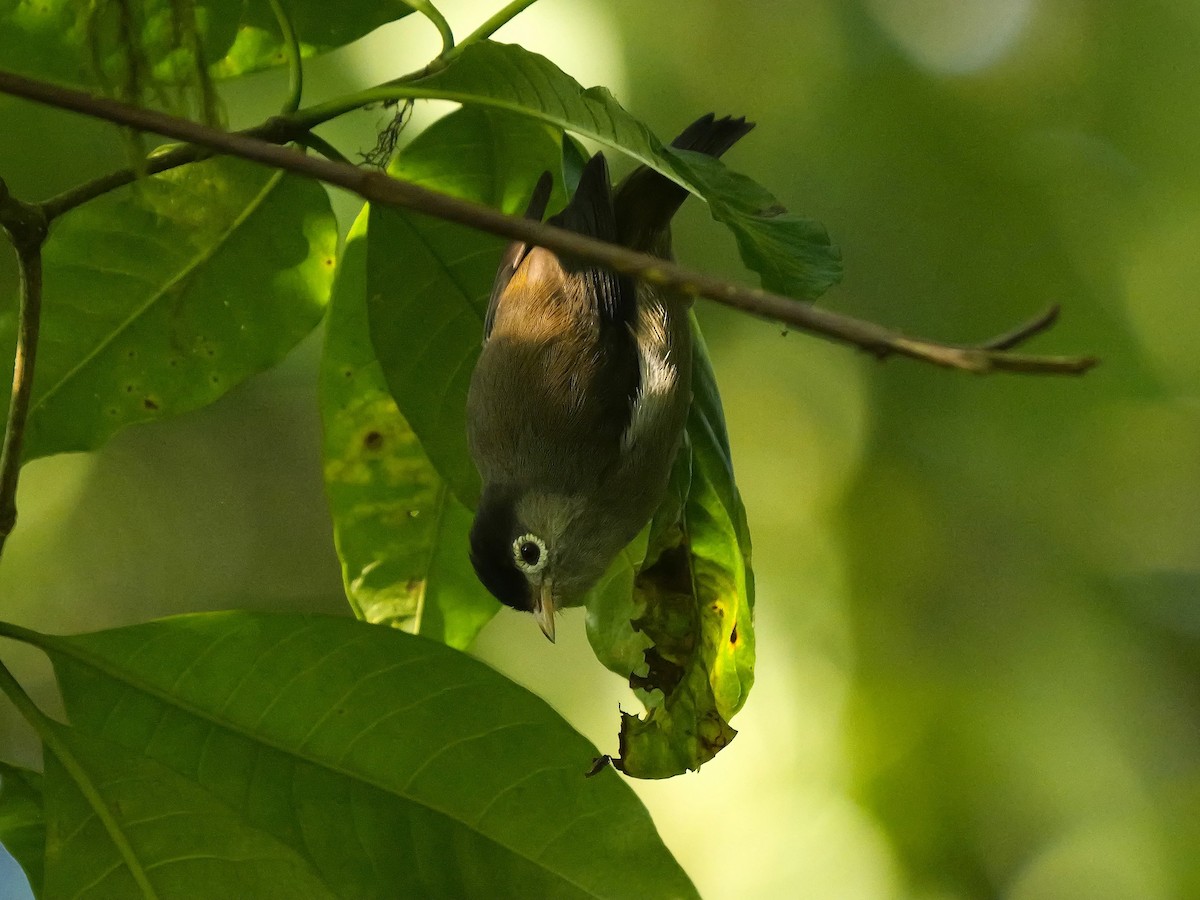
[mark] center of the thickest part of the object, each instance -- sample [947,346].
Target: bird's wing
[591,213]
[515,252]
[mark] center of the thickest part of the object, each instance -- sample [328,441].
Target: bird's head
[536,552]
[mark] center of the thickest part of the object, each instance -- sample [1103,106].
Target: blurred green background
[979,598]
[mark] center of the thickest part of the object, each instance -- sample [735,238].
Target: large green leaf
[792,255]
[22,824]
[684,635]
[120,825]
[162,296]
[56,39]
[392,765]
[401,535]
[428,280]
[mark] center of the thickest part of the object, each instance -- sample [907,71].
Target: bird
[578,401]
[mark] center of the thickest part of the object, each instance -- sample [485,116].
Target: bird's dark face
[532,551]
[511,560]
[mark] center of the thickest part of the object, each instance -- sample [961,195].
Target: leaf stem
[26,227]
[379,188]
[491,26]
[314,141]
[295,67]
[48,730]
[434,15]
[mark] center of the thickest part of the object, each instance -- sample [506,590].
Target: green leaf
[428,280]
[393,765]
[44,40]
[161,297]
[401,535]
[52,38]
[120,825]
[792,255]
[685,635]
[22,825]
[61,40]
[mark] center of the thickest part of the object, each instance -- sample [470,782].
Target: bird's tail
[646,201]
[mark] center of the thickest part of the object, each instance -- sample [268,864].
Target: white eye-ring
[529,553]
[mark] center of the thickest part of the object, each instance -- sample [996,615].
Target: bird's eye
[529,553]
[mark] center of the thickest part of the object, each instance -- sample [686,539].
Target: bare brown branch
[991,356]
[26,228]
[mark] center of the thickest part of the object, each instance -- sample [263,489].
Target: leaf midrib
[51,642]
[564,122]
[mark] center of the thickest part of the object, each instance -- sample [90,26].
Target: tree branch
[377,187]
[26,227]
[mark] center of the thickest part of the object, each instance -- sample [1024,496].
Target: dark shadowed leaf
[684,636]
[22,825]
[392,765]
[161,297]
[400,533]
[793,255]
[428,280]
[119,825]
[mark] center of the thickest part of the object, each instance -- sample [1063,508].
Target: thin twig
[377,187]
[277,130]
[491,26]
[26,228]
[1022,333]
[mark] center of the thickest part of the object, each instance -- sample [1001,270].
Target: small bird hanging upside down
[578,402]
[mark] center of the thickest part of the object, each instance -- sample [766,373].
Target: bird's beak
[543,610]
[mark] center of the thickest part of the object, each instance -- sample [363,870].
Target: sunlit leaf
[428,280]
[392,765]
[22,824]
[684,636]
[793,255]
[400,533]
[161,297]
[100,43]
[57,39]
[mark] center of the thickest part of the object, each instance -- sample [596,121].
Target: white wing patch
[658,374]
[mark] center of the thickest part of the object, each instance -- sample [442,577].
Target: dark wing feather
[517,250]
[646,201]
[591,213]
